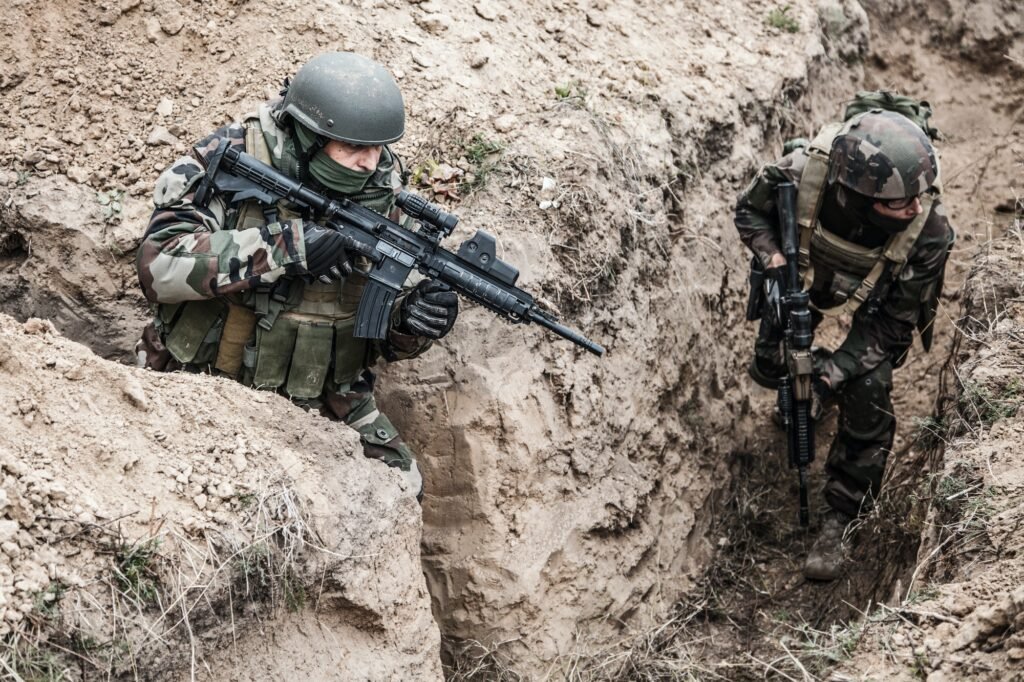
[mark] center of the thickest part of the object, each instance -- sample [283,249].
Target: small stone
[78,174]
[33,157]
[435,24]
[76,373]
[34,325]
[200,500]
[8,530]
[422,60]
[172,22]
[159,136]
[109,16]
[165,107]
[504,124]
[239,462]
[477,58]
[486,10]
[132,390]
[152,29]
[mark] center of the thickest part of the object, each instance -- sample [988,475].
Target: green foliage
[23,176]
[478,149]
[572,90]
[781,19]
[293,590]
[110,204]
[983,404]
[929,431]
[480,152]
[825,648]
[135,569]
[46,603]
[254,565]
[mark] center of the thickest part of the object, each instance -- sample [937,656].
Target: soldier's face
[362,158]
[906,213]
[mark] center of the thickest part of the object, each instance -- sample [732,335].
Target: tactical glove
[326,257]
[821,397]
[430,310]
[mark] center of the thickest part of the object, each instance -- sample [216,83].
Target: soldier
[266,295]
[874,237]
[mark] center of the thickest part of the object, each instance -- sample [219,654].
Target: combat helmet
[347,97]
[883,155]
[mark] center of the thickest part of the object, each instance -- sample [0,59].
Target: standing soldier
[874,237]
[266,295]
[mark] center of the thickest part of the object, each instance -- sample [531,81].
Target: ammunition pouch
[195,330]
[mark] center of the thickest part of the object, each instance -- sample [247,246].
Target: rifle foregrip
[374,314]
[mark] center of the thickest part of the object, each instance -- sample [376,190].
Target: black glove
[821,397]
[326,257]
[430,310]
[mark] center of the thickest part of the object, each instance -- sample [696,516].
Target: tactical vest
[854,271]
[295,336]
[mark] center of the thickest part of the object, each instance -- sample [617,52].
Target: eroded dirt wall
[565,494]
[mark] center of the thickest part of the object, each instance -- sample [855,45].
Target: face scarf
[326,170]
[863,208]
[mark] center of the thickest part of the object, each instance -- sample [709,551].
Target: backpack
[918,111]
[811,191]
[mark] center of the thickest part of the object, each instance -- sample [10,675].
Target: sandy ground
[569,500]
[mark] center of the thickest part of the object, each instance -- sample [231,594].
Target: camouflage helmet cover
[883,155]
[345,96]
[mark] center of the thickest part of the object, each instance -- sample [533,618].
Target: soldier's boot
[827,557]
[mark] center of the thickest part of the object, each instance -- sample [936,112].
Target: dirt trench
[753,616]
[571,503]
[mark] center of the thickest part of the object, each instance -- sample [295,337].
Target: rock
[239,462]
[132,390]
[165,107]
[161,135]
[152,29]
[200,500]
[547,188]
[34,325]
[109,15]
[3,498]
[171,21]
[8,530]
[505,123]
[478,58]
[33,157]
[78,174]
[486,10]
[435,24]
[422,60]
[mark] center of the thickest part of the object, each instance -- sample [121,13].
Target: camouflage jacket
[192,252]
[873,338]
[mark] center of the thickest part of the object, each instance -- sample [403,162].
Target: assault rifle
[787,308]
[394,251]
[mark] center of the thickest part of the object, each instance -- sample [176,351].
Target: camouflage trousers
[866,429]
[356,406]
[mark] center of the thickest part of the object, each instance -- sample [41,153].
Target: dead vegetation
[168,586]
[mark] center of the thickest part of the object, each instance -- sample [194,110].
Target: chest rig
[854,272]
[293,335]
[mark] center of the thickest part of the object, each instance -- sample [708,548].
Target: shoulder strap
[897,249]
[810,192]
[254,142]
